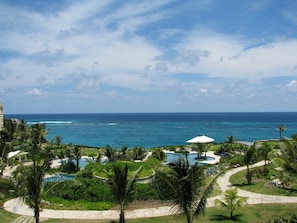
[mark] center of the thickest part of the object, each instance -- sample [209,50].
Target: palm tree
[37,137]
[187,188]
[264,152]
[58,140]
[33,186]
[281,129]
[231,201]
[200,148]
[159,154]
[122,186]
[138,153]
[110,153]
[289,154]
[248,158]
[33,175]
[123,154]
[29,184]
[7,141]
[4,149]
[7,188]
[77,155]
[230,141]
[22,131]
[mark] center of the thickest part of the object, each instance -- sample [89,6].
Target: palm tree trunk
[122,217]
[77,164]
[36,214]
[248,175]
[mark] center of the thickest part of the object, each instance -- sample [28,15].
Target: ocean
[161,129]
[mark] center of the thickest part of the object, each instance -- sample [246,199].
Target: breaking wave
[50,122]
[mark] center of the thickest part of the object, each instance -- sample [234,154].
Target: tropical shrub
[146,192]
[83,189]
[260,172]
[68,167]
[293,219]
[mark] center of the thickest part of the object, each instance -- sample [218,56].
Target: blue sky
[148,56]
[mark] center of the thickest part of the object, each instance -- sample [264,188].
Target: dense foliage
[293,219]
[88,188]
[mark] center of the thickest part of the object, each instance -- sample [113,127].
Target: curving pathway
[18,207]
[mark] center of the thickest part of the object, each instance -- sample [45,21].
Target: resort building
[1,116]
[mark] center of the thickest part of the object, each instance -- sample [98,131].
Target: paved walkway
[18,207]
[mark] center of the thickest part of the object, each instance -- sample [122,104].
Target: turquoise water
[192,157]
[59,177]
[161,129]
[82,162]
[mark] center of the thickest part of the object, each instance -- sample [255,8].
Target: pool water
[192,157]
[59,177]
[82,162]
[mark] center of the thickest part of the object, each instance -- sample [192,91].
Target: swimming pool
[82,162]
[59,177]
[192,157]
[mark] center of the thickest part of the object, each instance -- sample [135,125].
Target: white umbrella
[201,139]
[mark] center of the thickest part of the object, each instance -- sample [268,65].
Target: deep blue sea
[161,129]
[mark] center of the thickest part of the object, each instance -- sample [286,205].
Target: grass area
[216,190]
[62,204]
[251,213]
[258,184]
[86,151]
[143,173]
[6,216]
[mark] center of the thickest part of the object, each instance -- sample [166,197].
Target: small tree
[200,148]
[230,143]
[138,153]
[231,201]
[110,153]
[264,151]
[123,155]
[159,154]
[58,140]
[77,155]
[248,156]
[122,186]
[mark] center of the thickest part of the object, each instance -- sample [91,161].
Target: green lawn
[6,217]
[257,185]
[251,213]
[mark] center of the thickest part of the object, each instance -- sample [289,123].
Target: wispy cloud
[160,49]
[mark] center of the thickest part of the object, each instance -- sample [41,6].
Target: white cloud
[203,90]
[138,47]
[234,57]
[112,93]
[35,92]
[292,86]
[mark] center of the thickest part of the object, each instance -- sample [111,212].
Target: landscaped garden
[115,177]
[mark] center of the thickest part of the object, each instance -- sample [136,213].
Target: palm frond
[200,209]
